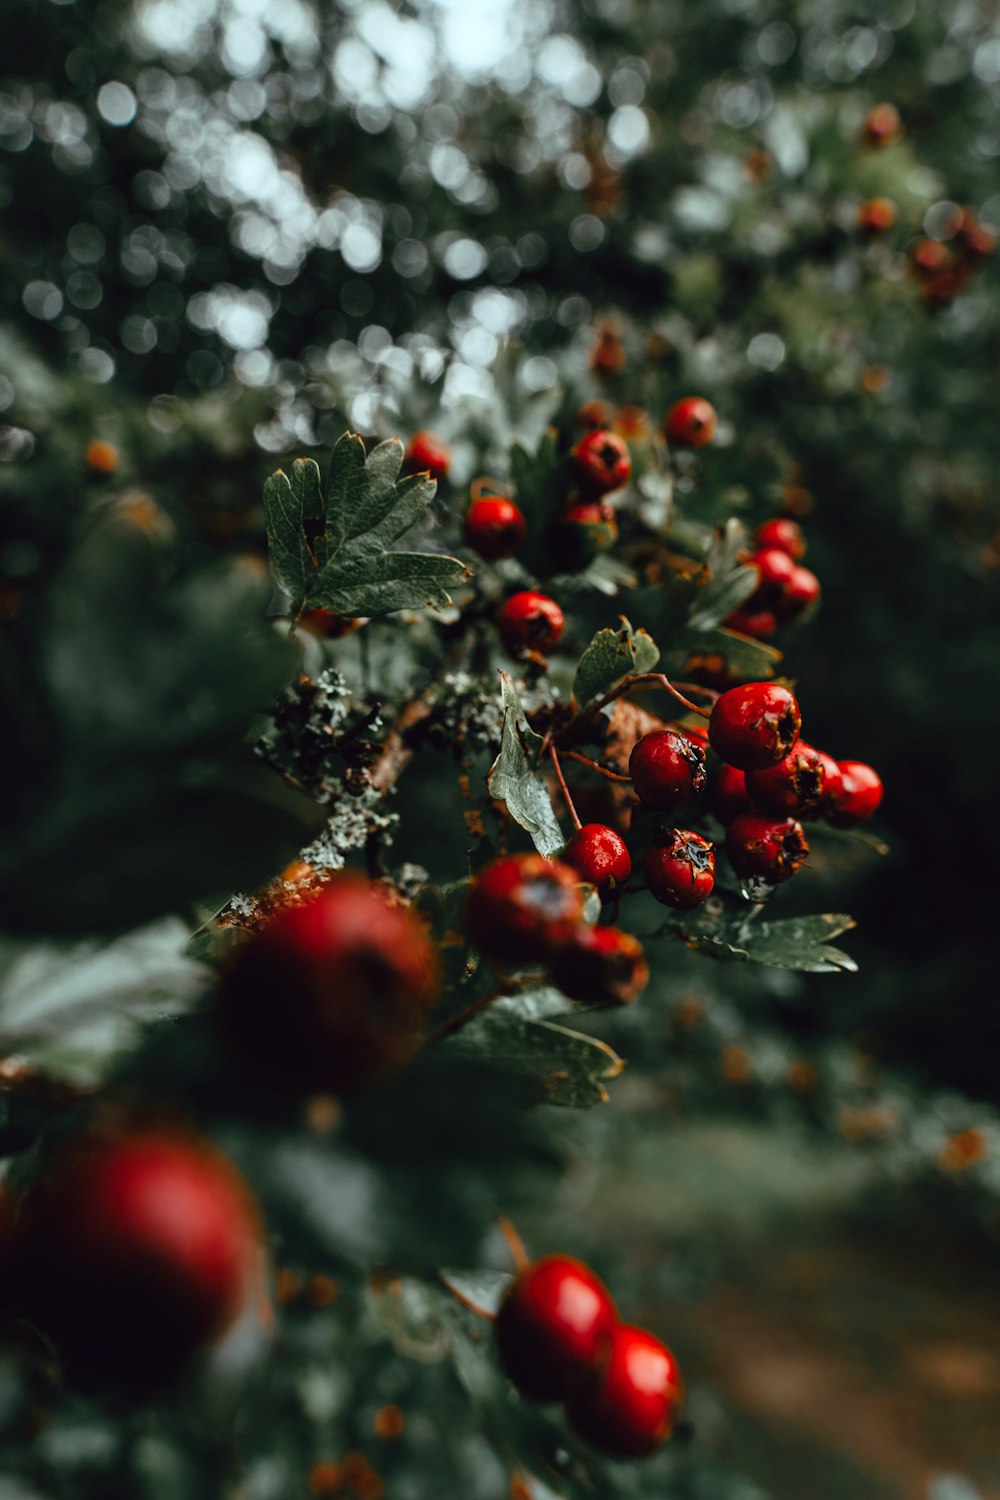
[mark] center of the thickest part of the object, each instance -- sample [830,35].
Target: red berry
[427,453]
[600,966]
[494,527]
[696,733]
[774,569]
[976,242]
[136,1250]
[329,993]
[929,257]
[629,1406]
[554,1326]
[680,868]
[754,726]
[800,593]
[728,794]
[690,423]
[601,462]
[784,533]
[530,622]
[833,782]
[859,796]
[759,623]
[522,906]
[594,414]
[882,125]
[764,848]
[876,215]
[582,532]
[326,625]
[792,788]
[599,856]
[667,769]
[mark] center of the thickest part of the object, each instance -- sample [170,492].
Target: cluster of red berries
[785,589]
[559,1338]
[134,1249]
[945,266]
[526,909]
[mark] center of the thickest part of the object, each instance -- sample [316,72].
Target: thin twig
[553,752]
[594,765]
[514,1243]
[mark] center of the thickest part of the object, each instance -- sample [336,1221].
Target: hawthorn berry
[680,868]
[876,216]
[882,125]
[801,592]
[690,423]
[928,258]
[667,769]
[859,797]
[427,453]
[696,733]
[601,462]
[728,795]
[554,1326]
[784,533]
[326,625]
[530,621]
[976,242]
[330,992]
[595,414]
[581,532]
[833,781]
[494,527]
[774,569]
[523,906]
[102,456]
[598,854]
[600,966]
[632,422]
[628,1406]
[792,788]
[764,848]
[754,726]
[760,623]
[135,1250]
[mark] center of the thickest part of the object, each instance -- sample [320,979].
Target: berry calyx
[680,868]
[599,855]
[521,907]
[690,423]
[765,848]
[554,1326]
[876,216]
[882,125]
[329,994]
[530,622]
[859,796]
[601,462]
[754,726]
[427,453]
[792,788]
[494,527]
[136,1250]
[628,1408]
[582,532]
[728,795]
[784,533]
[600,966]
[800,593]
[667,769]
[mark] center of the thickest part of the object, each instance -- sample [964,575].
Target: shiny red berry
[628,1407]
[494,527]
[976,242]
[530,622]
[859,797]
[582,532]
[554,1326]
[929,258]
[759,623]
[330,993]
[522,906]
[774,569]
[754,726]
[136,1250]
[601,462]
[876,216]
[764,848]
[598,854]
[800,593]
[784,533]
[600,966]
[427,453]
[728,795]
[680,868]
[793,788]
[690,423]
[882,125]
[667,769]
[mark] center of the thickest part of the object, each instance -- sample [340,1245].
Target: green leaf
[409,1312]
[513,779]
[728,581]
[329,546]
[567,1067]
[722,650]
[800,943]
[612,655]
[540,485]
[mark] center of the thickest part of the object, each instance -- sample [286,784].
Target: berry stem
[554,754]
[464,1301]
[662,681]
[594,765]
[514,1243]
